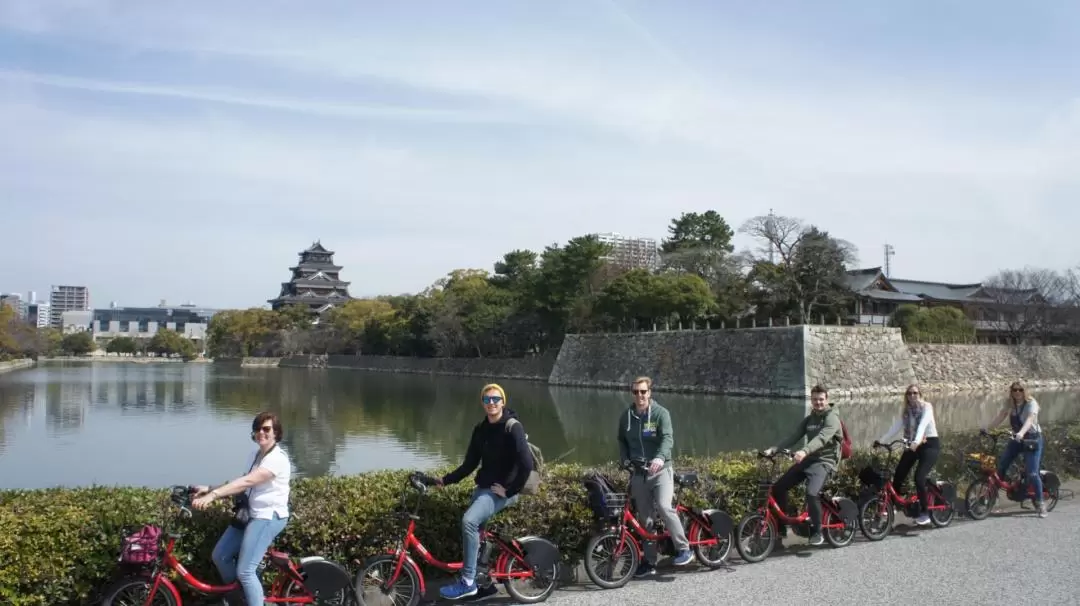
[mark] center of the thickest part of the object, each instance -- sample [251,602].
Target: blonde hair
[903,406]
[1027,396]
[646,380]
[494,387]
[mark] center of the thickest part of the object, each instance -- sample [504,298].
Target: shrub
[61,545]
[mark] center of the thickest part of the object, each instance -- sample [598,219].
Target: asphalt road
[1012,556]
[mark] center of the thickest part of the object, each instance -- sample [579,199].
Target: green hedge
[60,546]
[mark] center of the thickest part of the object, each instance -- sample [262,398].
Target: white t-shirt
[271,496]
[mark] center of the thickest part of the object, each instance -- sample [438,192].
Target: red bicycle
[147,567]
[877,511]
[618,546]
[395,578]
[982,494]
[839,518]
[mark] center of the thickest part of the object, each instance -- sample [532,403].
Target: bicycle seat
[279,558]
[686,480]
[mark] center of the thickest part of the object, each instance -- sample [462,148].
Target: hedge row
[60,546]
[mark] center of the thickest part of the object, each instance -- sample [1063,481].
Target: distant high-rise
[15,302]
[37,314]
[631,253]
[315,283]
[66,298]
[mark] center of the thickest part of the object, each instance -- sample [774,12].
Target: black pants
[926,455]
[815,473]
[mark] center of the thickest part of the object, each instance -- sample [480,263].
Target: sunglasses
[1018,389]
[912,393]
[639,392]
[265,429]
[488,400]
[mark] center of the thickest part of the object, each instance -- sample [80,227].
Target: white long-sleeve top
[926,428]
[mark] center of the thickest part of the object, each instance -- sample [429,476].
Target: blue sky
[188,150]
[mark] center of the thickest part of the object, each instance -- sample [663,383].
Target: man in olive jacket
[645,434]
[813,462]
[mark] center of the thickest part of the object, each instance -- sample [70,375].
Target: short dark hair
[275,422]
[819,388]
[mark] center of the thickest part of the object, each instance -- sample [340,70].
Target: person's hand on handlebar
[655,465]
[799,456]
[200,490]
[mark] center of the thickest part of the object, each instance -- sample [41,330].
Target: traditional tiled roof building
[315,282]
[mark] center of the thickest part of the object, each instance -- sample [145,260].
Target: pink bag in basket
[141,547]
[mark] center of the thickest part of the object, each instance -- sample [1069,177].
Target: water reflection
[153,424]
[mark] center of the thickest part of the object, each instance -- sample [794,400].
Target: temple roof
[873,283]
[317,247]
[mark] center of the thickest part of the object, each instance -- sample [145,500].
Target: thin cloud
[336,110]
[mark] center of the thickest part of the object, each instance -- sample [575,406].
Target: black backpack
[604,501]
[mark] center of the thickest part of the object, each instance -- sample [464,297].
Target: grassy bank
[61,545]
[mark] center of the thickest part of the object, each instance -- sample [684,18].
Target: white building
[144,322]
[67,298]
[75,321]
[632,253]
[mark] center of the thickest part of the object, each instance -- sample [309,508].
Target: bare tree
[1030,303]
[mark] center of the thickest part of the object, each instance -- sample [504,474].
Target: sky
[188,151]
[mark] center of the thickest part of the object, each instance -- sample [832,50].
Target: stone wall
[752,361]
[857,360]
[964,367]
[15,365]
[535,368]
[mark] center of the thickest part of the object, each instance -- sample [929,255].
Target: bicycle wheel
[979,499]
[839,537]
[534,589]
[755,530]
[133,591]
[876,518]
[604,567]
[712,556]
[377,570]
[941,517]
[344,597]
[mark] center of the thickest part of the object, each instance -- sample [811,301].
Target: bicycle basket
[141,547]
[875,478]
[980,463]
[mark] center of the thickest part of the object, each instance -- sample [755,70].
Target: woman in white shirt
[264,497]
[920,429]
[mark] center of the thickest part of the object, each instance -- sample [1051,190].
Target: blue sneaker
[683,558]
[459,589]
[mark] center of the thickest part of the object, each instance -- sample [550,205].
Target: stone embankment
[15,365]
[777,361]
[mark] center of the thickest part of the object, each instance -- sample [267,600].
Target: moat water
[77,424]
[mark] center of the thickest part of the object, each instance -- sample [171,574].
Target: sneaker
[1042,510]
[923,520]
[644,569]
[485,593]
[683,558]
[459,589]
[815,539]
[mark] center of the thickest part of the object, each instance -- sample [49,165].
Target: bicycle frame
[632,530]
[771,511]
[892,497]
[995,480]
[508,550]
[169,563]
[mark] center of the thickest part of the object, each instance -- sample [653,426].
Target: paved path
[1012,556]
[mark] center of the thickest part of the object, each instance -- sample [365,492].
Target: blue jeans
[1032,464]
[238,553]
[485,504]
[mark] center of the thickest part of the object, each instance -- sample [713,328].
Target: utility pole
[889,252]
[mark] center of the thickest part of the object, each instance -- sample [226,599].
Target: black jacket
[504,457]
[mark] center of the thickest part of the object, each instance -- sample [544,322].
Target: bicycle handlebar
[772,457]
[420,481]
[891,445]
[181,497]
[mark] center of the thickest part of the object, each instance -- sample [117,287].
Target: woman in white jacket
[920,430]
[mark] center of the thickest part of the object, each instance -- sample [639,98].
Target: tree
[121,345]
[567,285]
[798,270]
[639,298]
[700,244]
[78,343]
[168,342]
[1029,303]
[245,332]
[933,324]
[469,313]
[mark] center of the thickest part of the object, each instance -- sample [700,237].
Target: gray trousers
[657,491]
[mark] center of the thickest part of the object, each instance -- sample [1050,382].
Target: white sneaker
[923,520]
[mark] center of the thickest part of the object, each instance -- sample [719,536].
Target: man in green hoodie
[645,434]
[813,462]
